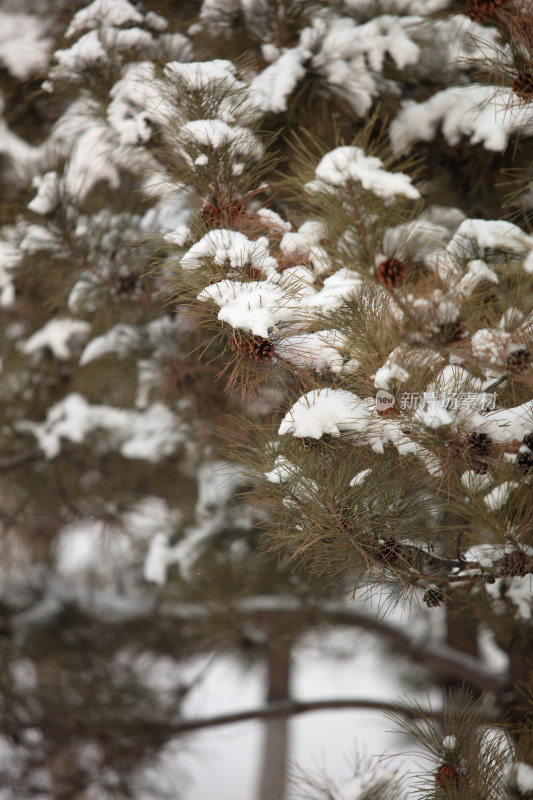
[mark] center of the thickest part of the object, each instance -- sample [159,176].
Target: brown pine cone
[228,213]
[210,214]
[261,349]
[387,551]
[479,443]
[478,446]
[391,273]
[523,85]
[513,564]
[305,443]
[528,440]
[482,10]
[239,343]
[433,598]
[519,359]
[524,460]
[253,346]
[127,283]
[236,210]
[445,775]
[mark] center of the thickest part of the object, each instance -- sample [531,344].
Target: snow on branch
[151,434]
[487,115]
[350,163]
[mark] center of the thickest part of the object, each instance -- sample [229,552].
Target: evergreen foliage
[265,274]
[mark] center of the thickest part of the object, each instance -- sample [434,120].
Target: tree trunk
[65,777]
[61,759]
[272,779]
[461,622]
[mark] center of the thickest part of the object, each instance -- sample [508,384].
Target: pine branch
[289,708]
[279,708]
[12,462]
[440,658]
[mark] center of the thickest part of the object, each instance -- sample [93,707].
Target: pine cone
[433,598]
[528,440]
[482,10]
[127,283]
[305,443]
[391,273]
[524,460]
[518,358]
[513,564]
[236,209]
[445,775]
[478,446]
[239,343]
[255,347]
[523,85]
[261,349]
[479,443]
[210,214]
[387,551]
[213,214]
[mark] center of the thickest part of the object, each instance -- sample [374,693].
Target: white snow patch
[493,234]
[216,133]
[201,75]
[488,115]
[9,258]
[339,288]
[503,424]
[519,590]
[231,249]
[319,351]
[255,306]
[272,221]
[477,273]
[490,345]
[523,775]
[351,163]
[24,44]
[62,336]
[326,411]
[47,195]
[359,479]
[282,472]
[90,546]
[449,742]
[120,340]
[376,781]
[104,12]
[274,85]
[179,235]
[475,481]
[157,560]
[150,434]
[499,495]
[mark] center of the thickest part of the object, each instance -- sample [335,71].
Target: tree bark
[275,743]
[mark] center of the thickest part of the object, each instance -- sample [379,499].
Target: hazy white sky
[224,762]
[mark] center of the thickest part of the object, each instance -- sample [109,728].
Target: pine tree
[300,196]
